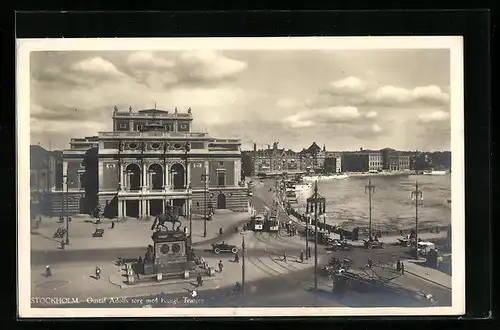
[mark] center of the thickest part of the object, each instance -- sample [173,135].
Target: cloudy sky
[341,98]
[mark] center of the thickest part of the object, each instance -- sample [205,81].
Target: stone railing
[153,134]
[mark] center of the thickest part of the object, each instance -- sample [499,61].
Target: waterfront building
[333,162]
[152,159]
[313,158]
[273,161]
[374,161]
[362,161]
[403,162]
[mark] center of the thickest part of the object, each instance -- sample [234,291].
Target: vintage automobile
[224,247]
[373,244]
[425,247]
[337,245]
[335,265]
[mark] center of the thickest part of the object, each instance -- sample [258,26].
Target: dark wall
[197,168]
[228,165]
[355,163]
[330,165]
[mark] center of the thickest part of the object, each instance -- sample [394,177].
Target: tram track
[261,238]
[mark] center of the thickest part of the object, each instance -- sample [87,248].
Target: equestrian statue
[171,215]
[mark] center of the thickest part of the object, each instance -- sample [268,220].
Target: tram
[272,225]
[258,223]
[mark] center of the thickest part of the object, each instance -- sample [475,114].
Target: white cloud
[323,116]
[296,121]
[146,60]
[96,65]
[287,103]
[207,65]
[376,128]
[436,116]
[349,85]
[398,95]
[371,114]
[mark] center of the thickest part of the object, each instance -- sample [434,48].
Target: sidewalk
[434,276]
[129,233]
[389,240]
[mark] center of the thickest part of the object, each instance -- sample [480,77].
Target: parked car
[224,247]
[425,247]
[374,244]
[337,245]
[335,265]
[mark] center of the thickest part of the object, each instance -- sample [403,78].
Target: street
[283,283]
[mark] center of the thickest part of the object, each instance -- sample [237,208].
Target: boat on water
[298,186]
[436,173]
[324,177]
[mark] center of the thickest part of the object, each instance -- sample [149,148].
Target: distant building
[374,161]
[274,160]
[355,162]
[403,162]
[333,162]
[362,161]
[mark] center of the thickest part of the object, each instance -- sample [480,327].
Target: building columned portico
[152,159]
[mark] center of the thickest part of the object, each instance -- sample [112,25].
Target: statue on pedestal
[171,215]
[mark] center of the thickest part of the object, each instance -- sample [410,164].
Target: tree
[90,179]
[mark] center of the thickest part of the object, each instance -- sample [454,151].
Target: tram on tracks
[258,222]
[272,224]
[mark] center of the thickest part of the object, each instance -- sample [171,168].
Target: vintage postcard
[240,177]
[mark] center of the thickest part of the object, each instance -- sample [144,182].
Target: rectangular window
[123,125]
[221,179]
[220,164]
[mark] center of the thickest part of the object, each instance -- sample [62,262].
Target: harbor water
[392,204]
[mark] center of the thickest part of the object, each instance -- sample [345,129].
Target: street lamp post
[243,252]
[187,148]
[370,189]
[64,201]
[417,195]
[204,179]
[315,201]
[307,236]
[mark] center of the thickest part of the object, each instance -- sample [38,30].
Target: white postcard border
[453,43]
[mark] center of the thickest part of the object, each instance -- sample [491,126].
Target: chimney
[255,147]
[361,149]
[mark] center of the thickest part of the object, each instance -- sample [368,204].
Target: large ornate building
[151,159]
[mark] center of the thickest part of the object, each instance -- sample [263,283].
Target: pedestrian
[308,252]
[236,257]
[48,272]
[221,266]
[302,256]
[402,268]
[112,224]
[40,219]
[140,260]
[62,244]
[199,280]
[220,231]
[284,257]
[370,263]
[97,273]
[398,265]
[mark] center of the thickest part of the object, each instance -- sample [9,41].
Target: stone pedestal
[170,255]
